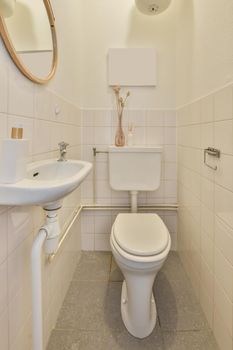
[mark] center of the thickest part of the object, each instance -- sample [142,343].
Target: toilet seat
[142,235]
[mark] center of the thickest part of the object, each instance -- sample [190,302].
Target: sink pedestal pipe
[47,237]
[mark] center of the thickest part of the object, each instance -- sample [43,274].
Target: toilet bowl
[140,244]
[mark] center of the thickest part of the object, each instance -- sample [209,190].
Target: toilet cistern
[134,169]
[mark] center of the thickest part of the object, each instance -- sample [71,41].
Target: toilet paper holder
[211,152]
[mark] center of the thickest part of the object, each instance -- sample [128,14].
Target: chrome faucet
[62,147]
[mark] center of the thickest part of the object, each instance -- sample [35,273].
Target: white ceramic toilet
[140,243]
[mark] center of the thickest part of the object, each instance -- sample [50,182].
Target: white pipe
[134,201]
[159,207]
[93,178]
[48,235]
[53,232]
[37,313]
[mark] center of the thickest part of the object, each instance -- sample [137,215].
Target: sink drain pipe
[37,316]
[48,237]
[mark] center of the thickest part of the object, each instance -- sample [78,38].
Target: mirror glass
[31,33]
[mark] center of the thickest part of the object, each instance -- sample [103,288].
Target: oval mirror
[29,34]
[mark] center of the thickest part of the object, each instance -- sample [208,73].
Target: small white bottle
[130,134]
[13,157]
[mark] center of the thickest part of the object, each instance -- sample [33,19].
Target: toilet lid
[141,234]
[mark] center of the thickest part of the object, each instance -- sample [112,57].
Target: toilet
[140,242]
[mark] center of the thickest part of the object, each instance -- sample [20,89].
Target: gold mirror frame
[18,62]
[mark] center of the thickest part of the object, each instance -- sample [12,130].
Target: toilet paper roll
[7,7]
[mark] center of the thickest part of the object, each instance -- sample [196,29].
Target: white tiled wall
[205,221]
[152,127]
[32,106]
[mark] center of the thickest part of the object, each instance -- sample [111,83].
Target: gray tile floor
[90,316]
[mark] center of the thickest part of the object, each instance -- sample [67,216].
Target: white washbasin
[47,181]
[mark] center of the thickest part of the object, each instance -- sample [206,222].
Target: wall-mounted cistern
[135,169]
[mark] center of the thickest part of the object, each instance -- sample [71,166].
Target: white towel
[7,7]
